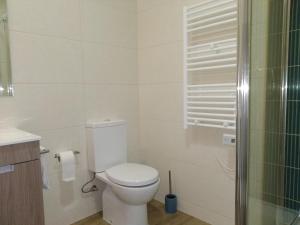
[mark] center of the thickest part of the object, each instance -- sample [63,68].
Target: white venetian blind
[210,62]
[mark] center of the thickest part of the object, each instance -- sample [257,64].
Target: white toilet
[129,186]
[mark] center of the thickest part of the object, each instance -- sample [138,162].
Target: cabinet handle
[7,169]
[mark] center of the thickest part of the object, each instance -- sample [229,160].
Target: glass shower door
[274,90]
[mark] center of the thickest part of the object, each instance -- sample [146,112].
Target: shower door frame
[243,101]
[242,146]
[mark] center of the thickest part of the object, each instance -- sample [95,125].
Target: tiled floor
[156,215]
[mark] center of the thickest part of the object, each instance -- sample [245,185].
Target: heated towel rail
[210,50]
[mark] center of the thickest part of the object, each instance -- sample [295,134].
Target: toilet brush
[170,199]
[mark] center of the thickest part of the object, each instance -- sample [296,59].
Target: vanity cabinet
[21,193]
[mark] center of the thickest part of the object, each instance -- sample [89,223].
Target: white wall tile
[55,17]
[205,214]
[166,139]
[65,202]
[42,107]
[146,4]
[109,64]
[129,5]
[111,101]
[64,139]
[160,25]
[207,189]
[161,101]
[102,23]
[161,64]
[42,59]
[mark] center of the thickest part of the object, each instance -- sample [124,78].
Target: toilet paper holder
[57,156]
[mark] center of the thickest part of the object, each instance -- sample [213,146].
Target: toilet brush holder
[171,203]
[170,199]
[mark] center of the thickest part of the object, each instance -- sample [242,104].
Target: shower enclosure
[268,151]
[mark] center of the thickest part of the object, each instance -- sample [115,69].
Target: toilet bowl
[129,187]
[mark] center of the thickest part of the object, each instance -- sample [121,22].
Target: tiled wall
[197,157]
[292,155]
[72,60]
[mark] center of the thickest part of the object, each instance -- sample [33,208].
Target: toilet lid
[132,175]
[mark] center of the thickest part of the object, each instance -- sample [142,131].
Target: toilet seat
[132,175]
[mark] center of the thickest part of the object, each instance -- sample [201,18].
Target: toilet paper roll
[67,160]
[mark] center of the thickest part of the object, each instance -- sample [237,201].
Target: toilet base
[116,212]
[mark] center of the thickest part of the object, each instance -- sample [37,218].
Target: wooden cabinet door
[21,197]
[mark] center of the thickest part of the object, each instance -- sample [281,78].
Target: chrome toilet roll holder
[57,155]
